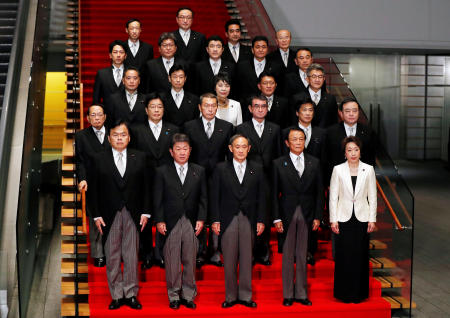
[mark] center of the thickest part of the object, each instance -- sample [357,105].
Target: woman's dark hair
[222,76]
[350,139]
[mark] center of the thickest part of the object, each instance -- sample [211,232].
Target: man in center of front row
[120,206]
[180,204]
[238,212]
[298,202]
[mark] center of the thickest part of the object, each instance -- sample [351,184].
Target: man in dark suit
[247,72]
[205,71]
[265,144]
[238,211]
[180,105]
[191,44]
[128,104]
[315,142]
[153,138]
[349,110]
[325,105]
[278,106]
[209,137]
[298,204]
[121,207]
[296,81]
[109,79]
[235,52]
[157,70]
[180,204]
[138,51]
[89,142]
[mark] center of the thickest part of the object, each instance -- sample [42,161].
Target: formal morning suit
[245,53]
[238,205]
[87,144]
[291,67]
[293,84]
[298,200]
[353,203]
[180,206]
[204,76]
[156,75]
[208,152]
[104,86]
[195,50]
[119,108]
[188,109]
[279,112]
[139,61]
[120,201]
[157,150]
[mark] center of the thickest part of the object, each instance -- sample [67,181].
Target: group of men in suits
[269,171]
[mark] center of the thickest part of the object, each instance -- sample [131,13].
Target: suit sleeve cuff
[146,215]
[276,221]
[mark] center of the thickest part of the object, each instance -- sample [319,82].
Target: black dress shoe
[249,303]
[175,304]
[310,259]
[100,262]
[158,262]
[132,302]
[266,262]
[228,304]
[216,263]
[115,304]
[147,264]
[188,303]
[199,263]
[304,301]
[288,302]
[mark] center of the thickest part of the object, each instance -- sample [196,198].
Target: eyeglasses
[316,76]
[167,45]
[184,17]
[156,107]
[259,106]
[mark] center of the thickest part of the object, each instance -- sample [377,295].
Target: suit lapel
[116,174]
[232,176]
[362,173]
[291,172]
[347,177]
[162,68]
[151,141]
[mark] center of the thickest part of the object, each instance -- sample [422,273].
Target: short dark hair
[116,42]
[231,22]
[349,99]
[264,74]
[350,139]
[304,101]
[207,95]
[315,67]
[99,105]
[131,68]
[152,96]
[185,8]
[221,76]
[117,123]
[258,97]
[214,38]
[303,49]
[179,137]
[178,67]
[294,129]
[236,136]
[131,21]
[167,36]
[260,38]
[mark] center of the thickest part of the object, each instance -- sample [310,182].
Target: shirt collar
[236,164]
[121,67]
[170,60]
[205,122]
[237,45]
[257,62]
[152,124]
[347,127]
[103,130]
[116,152]
[304,127]
[131,43]
[181,92]
[282,52]
[294,157]
[256,123]
[311,92]
[211,61]
[177,166]
[183,33]
[302,74]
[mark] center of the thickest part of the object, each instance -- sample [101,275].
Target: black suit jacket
[325,112]
[117,106]
[156,77]
[263,150]
[275,56]
[246,79]
[110,192]
[204,76]
[208,152]
[105,85]
[187,111]
[195,51]
[144,54]
[335,154]
[157,151]
[289,190]
[245,53]
[279,112]
[172,199]
[228,196]
[293,84]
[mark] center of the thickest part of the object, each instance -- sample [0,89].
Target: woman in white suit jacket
[353,208]
[229,109]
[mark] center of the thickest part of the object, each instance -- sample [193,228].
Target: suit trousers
[181,249]
[95,240]
[295,246]
[237,243]
[122,244]
[146,242]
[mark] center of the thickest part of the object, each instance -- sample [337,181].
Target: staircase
[8,15]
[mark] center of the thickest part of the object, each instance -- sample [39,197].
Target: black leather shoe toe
[147,264]
[228,304]
[132,302]
[115,304]
[100,262]
[304,301]
[175,304]
[188,303]
[288,302]
[249,303]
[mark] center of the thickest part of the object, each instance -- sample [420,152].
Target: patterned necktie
[177,99]
[120,164]
[131,101]
[208,129]
[156,131]
[285,58]
[260,129]
[215,64]
[186,38]
[351,129]
[118,77]
[134,49]
[316,98]
[240,172]
[167,66]
[99,134]
[182,176]
[235,53]
[299,166]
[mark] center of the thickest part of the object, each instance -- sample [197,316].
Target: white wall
[412,24]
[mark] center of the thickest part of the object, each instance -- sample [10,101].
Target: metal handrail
[389,206]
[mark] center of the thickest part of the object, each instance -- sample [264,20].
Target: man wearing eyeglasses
[325,105]
[191,44]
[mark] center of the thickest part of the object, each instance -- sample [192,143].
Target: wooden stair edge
[68,308]
[399,302]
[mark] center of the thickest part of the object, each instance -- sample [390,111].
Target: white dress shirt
[185,35]
[185,169]
[313,95]
[102,130]
[131,98]
[177,96]
[256,125]
[205,124]
[217,63]
[348,129]
[259,69]
[155,128]
[243,166]
[294,157]
[308,132]
[303,77]
[269,102]
[236,49]
[118,78]
[168,63]
[134,46]
[283,54]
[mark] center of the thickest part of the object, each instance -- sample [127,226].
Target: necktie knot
[120,164]
[182,176]
[208,129]
[118,76]
[99,134]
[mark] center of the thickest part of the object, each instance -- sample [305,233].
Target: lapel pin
[251,172]
[285,164]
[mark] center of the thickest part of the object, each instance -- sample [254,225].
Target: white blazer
[342,196]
